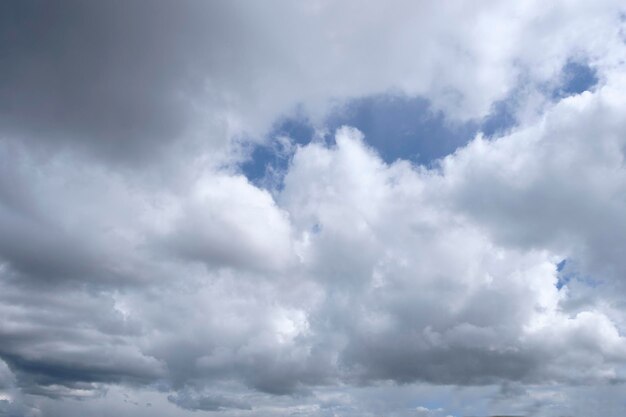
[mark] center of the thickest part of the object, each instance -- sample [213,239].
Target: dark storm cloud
[69,339]
[389,359]
[36,375]
[115,77]
[45,253]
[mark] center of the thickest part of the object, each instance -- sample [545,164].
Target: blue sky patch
[272,156]
[501,119]
[568,271]
[563,277]
[402,127]
[398,127]
[576,77]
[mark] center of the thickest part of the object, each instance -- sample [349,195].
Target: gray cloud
[189,401]
[98,75]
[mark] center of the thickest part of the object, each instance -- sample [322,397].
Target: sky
[312,208]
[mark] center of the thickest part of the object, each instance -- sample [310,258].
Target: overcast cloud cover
[142,273]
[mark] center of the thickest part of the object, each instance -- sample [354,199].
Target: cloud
[229,222]
[540,186]
[207,403]
[137,266]
[433,298]
[382,273]
[127,81]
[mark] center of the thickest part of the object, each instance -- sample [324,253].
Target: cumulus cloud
[141,273]
[433,298]
[228,221]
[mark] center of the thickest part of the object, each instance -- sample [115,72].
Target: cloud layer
[142,273]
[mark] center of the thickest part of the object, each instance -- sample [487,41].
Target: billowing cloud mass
[143,272]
